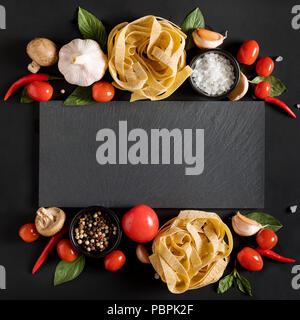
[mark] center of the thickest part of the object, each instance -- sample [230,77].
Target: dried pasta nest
[191,250]
[147,57]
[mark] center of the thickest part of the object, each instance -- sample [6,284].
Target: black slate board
[234,146]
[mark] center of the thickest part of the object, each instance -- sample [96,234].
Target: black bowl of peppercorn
[95,231]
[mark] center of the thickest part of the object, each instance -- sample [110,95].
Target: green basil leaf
[191,22]
[68,271]
[81,96]
[277,87]
[225,283]
[265,220]
[91,27]
[235,273]
[243,285]
[25,97]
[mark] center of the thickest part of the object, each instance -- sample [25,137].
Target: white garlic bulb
[82,62]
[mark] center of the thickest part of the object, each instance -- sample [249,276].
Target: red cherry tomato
[248,52]
[264,66]
[262,90]
[66,251]
[114,261]
[103,91]
[250,259]
[266,239]
[140,224]
[28,232]
[40,91]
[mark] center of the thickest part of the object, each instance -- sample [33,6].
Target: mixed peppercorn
[94,231]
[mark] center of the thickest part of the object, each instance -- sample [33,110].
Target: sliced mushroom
[43,53]
[49,221]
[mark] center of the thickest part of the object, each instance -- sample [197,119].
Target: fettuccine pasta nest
[147,57]
[190,251]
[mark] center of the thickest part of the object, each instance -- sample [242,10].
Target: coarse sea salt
[213,74]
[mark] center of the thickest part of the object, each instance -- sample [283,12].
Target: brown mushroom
[49,221]
[43,53]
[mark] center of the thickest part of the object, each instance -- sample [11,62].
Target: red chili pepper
[281,104]
[273,255]
[25,80]
[50,245]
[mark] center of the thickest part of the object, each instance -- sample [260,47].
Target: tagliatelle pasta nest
[147,57]
[190,250]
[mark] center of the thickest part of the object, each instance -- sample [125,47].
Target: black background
[269,22]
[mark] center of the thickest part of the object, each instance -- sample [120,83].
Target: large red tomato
[140,224]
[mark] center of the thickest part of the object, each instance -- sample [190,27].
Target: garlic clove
[142,254]
[244,226]
[206,39]
[241,89]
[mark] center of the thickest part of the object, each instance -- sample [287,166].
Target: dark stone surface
[268,22]
[233,174]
